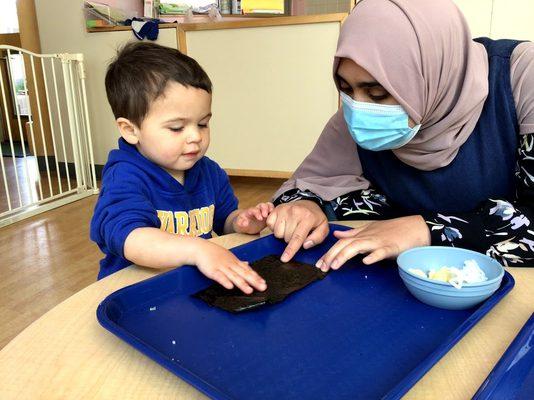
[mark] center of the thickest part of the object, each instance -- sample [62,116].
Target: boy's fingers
[257,214]
[221,278]
[251,277]
[238,281]
[245,266]
[264,208]
[241,221]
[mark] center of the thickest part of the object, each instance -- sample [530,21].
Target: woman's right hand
[300,223]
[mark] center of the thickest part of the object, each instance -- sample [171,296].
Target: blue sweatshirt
[138,193]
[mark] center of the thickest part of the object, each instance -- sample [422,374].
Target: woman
[435,138]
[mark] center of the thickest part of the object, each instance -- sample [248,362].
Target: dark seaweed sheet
[282,279]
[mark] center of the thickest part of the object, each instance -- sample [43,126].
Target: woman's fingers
[297,223]
[271,220]
[348,234]
[296,241]
[279,228]
[326,260]
[290,228]
[317,235]
[351,250]
[379,255]
[344,250]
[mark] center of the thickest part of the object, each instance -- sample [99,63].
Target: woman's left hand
[380,239]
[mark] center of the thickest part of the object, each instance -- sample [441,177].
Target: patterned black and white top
[498,228]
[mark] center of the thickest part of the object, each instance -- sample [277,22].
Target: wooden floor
[49,257]
[26,185]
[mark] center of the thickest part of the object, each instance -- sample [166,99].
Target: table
[66,354]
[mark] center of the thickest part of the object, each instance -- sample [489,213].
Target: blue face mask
[377,126]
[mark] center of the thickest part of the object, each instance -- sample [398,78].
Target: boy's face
[175,134]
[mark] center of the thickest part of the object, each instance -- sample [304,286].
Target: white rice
[469,273]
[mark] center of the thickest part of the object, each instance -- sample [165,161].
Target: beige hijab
[422,53]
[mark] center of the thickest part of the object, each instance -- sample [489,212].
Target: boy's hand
[222,266]
[253,220]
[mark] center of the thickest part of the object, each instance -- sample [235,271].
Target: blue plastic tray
[358,333]
[513,376]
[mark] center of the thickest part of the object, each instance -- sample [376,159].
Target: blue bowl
[443,294]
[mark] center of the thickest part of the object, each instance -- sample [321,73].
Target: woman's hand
[300,223]
[380,239]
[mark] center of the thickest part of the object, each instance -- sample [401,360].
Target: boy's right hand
[222,266]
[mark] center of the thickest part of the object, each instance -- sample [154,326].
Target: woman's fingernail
[285,257]
[319,263]
[308,244]
[334,264]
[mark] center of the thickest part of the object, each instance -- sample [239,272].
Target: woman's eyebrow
[368,84]
[342,80]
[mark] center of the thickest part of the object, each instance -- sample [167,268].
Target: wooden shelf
[238,22]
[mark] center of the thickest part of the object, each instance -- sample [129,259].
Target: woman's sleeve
[365,204]
[499,228]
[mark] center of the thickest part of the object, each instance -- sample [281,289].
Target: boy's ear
[128,130]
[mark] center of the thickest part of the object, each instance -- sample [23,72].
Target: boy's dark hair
[140,73]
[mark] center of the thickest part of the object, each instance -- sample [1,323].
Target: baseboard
[41,162]
[256,173]
[252,173]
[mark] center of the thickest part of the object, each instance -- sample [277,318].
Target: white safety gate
[47,156]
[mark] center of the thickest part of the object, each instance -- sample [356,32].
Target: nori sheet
[282,279]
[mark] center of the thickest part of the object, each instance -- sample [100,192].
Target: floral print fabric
[501,229]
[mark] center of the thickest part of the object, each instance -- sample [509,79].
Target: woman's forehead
[351,72]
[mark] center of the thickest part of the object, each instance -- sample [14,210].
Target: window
[9,22]
[17,79]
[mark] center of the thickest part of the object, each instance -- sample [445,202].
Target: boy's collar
[190,175]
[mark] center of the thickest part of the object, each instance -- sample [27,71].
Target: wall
[495,18]
[499,19]
[292,76]
[273,92]
[59,35]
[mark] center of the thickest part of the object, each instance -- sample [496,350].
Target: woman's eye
[378,94]
[203,125]
[176,129]
[346,89]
